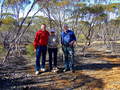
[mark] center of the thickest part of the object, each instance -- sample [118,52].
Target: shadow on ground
[96,66]
[58,82]
[16,74]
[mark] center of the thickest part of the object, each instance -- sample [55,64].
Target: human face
[43,27]
[65,28]
[52,33]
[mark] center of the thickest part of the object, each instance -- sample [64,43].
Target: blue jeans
[40,51]
[68,57]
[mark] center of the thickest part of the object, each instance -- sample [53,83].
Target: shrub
[30,50]
[82,38]
[2,50]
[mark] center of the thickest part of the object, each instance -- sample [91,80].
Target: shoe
[43,69]
[37,72]
[72,71]
[65,70]
[55,69]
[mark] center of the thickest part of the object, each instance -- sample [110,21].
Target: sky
[85,1]
[33,10]
[115,1]
[22,14]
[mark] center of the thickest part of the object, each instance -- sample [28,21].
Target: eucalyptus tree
[17,6]
[91,16]
[109,30]
[113,35]
[10,11]
[56,11]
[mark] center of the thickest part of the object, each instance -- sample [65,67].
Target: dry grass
[102,79]
[99,42]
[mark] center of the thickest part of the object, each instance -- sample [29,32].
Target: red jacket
[41,38]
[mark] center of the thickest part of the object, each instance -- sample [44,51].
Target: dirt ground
[98,70]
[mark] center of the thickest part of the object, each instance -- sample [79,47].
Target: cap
[65,25]
[52,30]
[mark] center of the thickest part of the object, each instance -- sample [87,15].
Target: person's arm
[36,40]
[73,39]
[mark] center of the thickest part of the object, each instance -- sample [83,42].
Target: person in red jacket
[40,47]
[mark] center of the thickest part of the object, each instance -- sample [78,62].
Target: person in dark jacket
[68,40]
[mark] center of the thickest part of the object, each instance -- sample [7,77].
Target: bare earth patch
[96,71]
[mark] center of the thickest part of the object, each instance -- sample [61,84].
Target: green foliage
[7,23]
[101,17]
[13,2]
[7,14]
[62,3]
[115,22]
[84,10]
[6,27]
[86,23]
[30,50]
[111,7]
[81,5]
[81,38]
[96,9]
[39,20]
[1,49]
[8,20]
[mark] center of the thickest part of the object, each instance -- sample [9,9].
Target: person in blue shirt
[68,40]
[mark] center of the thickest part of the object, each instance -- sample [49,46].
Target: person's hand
[75,44]
[72,43]
[34,50]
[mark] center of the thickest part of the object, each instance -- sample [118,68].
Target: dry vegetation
[97,34]
[98,70]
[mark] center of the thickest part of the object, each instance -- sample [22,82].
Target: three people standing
[44,39]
